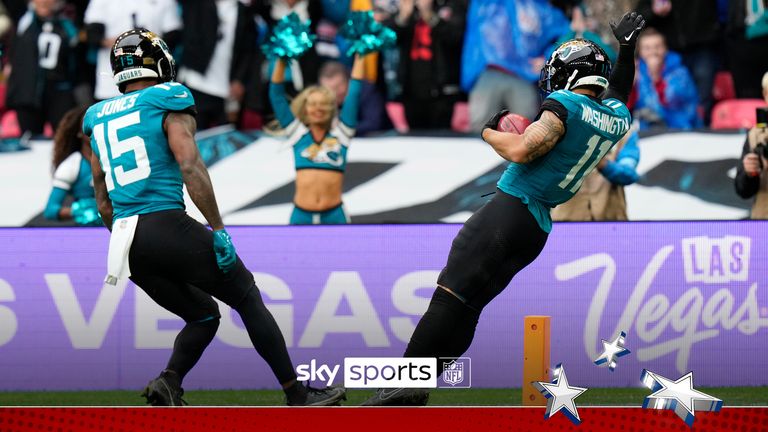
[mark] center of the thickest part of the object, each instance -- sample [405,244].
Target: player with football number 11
[143,151]
[583,116]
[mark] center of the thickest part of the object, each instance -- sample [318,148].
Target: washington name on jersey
[592,128]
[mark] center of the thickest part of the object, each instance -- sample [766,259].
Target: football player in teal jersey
[583,116]
[143,152]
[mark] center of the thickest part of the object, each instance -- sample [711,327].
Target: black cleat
[164,391]
[398,397]
[328,396]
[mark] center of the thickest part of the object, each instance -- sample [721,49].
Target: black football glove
[628,28]
[494,121]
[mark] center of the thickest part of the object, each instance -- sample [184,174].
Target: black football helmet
[139,54]
[575,63]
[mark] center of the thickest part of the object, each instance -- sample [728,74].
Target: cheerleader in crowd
[72,173]
[319,134]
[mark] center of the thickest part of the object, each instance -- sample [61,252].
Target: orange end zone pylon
[535,358]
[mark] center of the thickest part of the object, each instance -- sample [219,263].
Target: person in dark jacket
[371,115]
[219,41]
[43,67]
[430,34]
[747,57]
[691,28]
[751,174]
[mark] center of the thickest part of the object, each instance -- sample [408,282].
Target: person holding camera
[751,177]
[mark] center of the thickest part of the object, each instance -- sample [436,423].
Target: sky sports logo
[388,372]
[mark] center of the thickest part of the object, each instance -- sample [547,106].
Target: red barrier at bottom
[369,419]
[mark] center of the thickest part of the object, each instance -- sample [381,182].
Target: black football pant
[494,244]
[172,260]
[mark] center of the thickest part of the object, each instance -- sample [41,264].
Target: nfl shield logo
[453,372]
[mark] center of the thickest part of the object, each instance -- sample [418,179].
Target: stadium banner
[409,179]
[691,296]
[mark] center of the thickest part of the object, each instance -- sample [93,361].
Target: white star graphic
[679,396]
[613,350]
[560,395]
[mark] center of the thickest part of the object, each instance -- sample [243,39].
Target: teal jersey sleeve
[55,201]
[619,108]
[280,104]
[565,99]
[171,97]
[348,114]
[88,121]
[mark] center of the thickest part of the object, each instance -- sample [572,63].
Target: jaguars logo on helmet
[139,54]
[575,63]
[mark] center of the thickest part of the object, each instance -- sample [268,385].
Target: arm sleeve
[623,171]
[623,75]
[557,108]
[348,114]
[746,186]
[280,104]
[51,211]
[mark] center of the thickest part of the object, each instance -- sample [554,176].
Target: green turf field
[731,396]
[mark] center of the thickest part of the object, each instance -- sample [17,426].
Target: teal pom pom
[366,34]
[86,212]
[290,39]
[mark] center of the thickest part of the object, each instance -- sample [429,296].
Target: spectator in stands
[42,67]
[72,173]
[503,41]
[430,34]
[692,29]
[751,174]
[106,19]
[5,20]
[746,41]
[383,11]
[299,72]
[305,70]
[371,115]
[320,140]
[581,28]
[601,196]
[664,94]
[218,68]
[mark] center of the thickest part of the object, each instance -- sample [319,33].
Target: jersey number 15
[118,147]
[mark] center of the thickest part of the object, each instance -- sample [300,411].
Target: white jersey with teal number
[127,136]
[591,130]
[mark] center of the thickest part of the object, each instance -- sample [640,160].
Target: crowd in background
[455,64]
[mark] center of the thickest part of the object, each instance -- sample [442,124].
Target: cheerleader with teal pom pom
[320,136]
